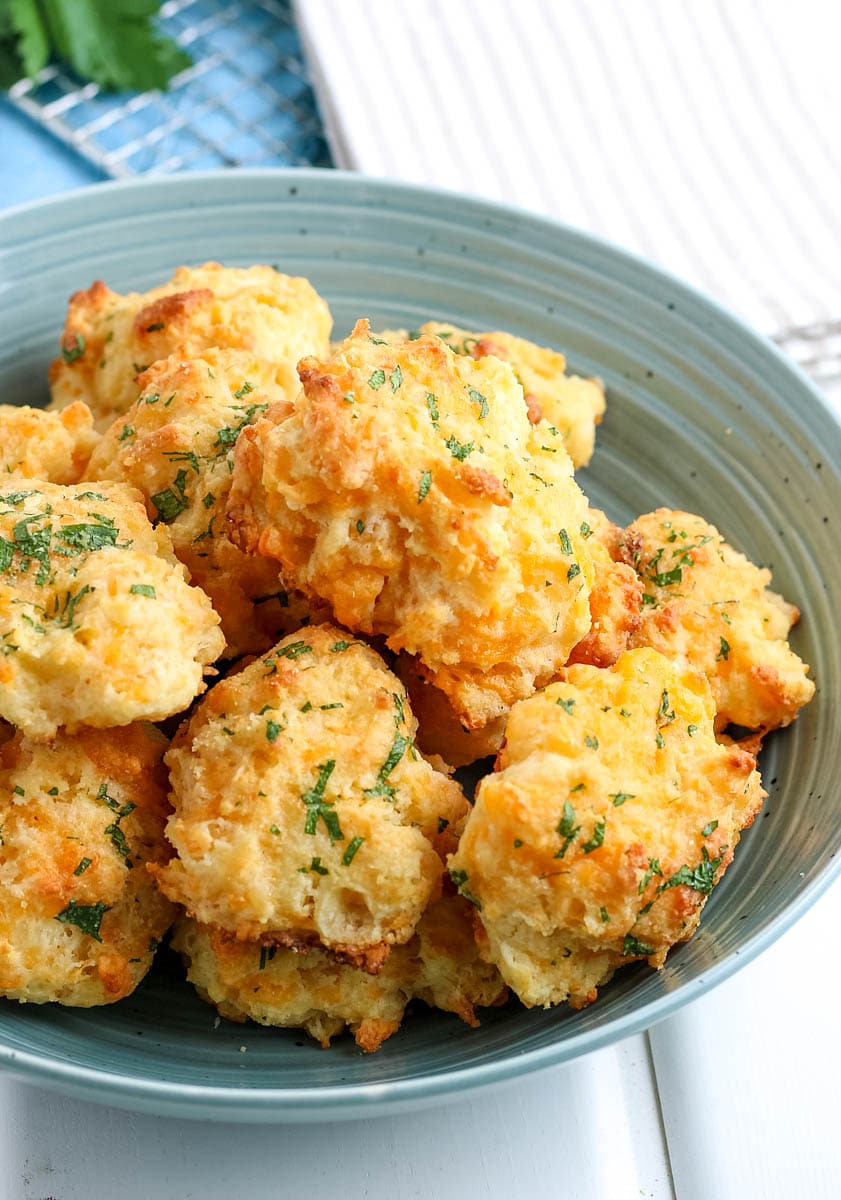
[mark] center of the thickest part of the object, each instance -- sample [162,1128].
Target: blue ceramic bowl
[703,415]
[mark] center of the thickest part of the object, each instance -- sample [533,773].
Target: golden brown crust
[611,815]
[43,445]
[80,817]
[394,508]
[706,603]
[440,965]
[303,813]
[562,406]
[97,623]
[109,339]
[176,445]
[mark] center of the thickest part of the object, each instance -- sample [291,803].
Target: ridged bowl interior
[702,415]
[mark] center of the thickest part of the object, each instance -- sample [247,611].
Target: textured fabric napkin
[701,134]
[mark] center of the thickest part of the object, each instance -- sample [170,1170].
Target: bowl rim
[371,1099]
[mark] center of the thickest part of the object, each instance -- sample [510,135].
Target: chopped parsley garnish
[293,650]
[89,537]
[275,830]
[457,449]
[460,879]
[723,651]
[604,914]
[424,486]
[317,807]
[209,500]
[633,945]
[432,405]
[338,647]
[71,353]
[573,571]
[87,917]
[566,544]
[18,790]
[667,578]
[377,379]
[620,797]
[143,589]
[382,787]
[351,849]
[126,433]
[316,867]
[566,705]
[360,526]
[518,843]
[691,730]
[653,869]
[659,742]
[83,866]
[396,378]
[172,500]
[586,532]
[665,714]
[244,390]
[479,399]
[273,730]
[708,828]
[592,742]
[597,838]
[700,878]
[567,828]
[267,953]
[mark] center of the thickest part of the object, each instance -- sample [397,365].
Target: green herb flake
[127,433]
[619,798]
[573,571]
[351,849]
[653,869]
[658,740]
[457,449]
[267,953]
[566,705]
[566,544]
[723,651]
[71,351]
[597,838]
[592,742]
[424,486]
[377,379]
[293,650]
[634,946]
[275,830]
[338,647]
[244,390]
[360,526]
[443,824]
[691,730]
[88,537]
[567,828]
[143,589]
[708,828]
[83,866]
[18,790]
[700,878]
[316,867]
[518,843]
[396,378]
[586,532]
[381,786]
[53,791]
[317,807]
[432,405]
[273,730]
[604,914]
[460,879]
[479,399]
[87,917]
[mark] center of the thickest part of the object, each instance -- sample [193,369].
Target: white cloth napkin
[702,134]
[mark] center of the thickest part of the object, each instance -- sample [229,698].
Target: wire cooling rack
[246,100]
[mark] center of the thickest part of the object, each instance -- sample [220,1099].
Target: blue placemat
[246,100]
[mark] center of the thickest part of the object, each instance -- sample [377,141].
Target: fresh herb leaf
[723,651]
[566,544]
[83,866]
[708,828]
[620,797]
[597,838]
[381,786]
[479,399]
[567,828]
[273,730]
[87,917]
[350,852]
[70,352]
[460,879]
[317,807]
[424,486]
[457,449]
[143,589]
[377,379]
[396,378]
[633,945]
[432,405]
[592,742]
[573,571]
[566,705]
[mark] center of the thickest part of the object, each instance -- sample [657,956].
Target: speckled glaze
[702,415]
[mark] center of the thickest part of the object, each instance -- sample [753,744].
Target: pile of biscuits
[261,595]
